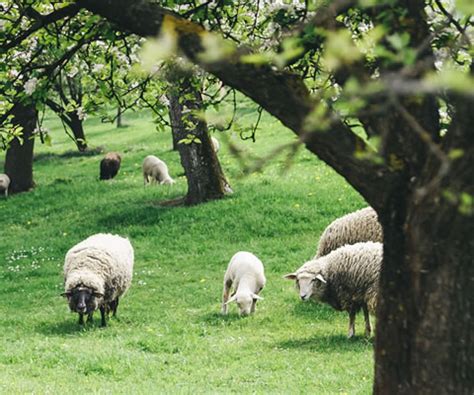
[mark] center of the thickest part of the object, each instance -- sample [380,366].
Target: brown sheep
[110,165]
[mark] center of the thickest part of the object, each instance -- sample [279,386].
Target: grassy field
[169,336]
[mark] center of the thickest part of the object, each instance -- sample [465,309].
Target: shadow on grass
[69,154]
[217,319]
[334,343]
[67,327]
[144,215]
[315,311]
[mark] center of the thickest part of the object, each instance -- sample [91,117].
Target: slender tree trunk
[119,117]
[206,180]
[19,157]
[77,129]
[425,325]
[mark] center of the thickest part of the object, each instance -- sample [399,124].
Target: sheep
[246,274]
[110,165]
[215,144]
[4,184]
[157,170]
[346,279]
[359,226]
[97,272]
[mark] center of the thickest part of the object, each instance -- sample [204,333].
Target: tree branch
[54,16]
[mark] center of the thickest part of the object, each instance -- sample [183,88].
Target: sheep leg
[113,306]
[352,316]
[102,316]
[89,318]
[225,295]
[254,303]
[145,179]
[368,329]
[81,319]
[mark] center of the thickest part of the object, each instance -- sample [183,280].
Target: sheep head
[244,302]
[82,299]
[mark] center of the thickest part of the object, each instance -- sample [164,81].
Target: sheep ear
[232,299]
[256,297]
[66,294]
[321,278]
[290,276]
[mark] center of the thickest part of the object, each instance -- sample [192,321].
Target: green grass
[169,336]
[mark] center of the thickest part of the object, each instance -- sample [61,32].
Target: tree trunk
[77,129]
[19,157]
[119,117]
[425,325]
[206,180]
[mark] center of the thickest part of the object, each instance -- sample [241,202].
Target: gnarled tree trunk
[19,156]
[206,180]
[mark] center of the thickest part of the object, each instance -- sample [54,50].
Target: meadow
[169,336]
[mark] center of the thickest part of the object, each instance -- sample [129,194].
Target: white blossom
[30,86]
[81,114]
[97,68]
[74,70]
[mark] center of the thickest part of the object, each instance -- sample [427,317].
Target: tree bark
[206,180]
[19,156]
[77,128]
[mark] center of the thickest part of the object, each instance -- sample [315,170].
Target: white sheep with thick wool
[4,184]
[245,275]
[155,170]
[97,272]
[359,226]
[347,279]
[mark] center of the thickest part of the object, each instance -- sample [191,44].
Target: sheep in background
[245,274]
[215,144]
[110,165]
[359,226]
[4,184]
[346,279]
[97,272]
[154,169]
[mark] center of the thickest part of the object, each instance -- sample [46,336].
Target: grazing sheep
[361,225]
[215,144]
[245,274]
[4,184]
[346,279]
[110,165]
[155,169]
[97,272]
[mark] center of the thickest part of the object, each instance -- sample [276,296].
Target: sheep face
[167,181]
[244,303]
[308,284]
[83,300]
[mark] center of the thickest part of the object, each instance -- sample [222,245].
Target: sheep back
[156,168]
[110,165]
[103,262]
[359,226]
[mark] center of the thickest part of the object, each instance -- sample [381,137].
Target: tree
[418,178]
[19,157]
[206,180]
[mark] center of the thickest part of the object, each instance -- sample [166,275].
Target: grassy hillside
[169,336]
